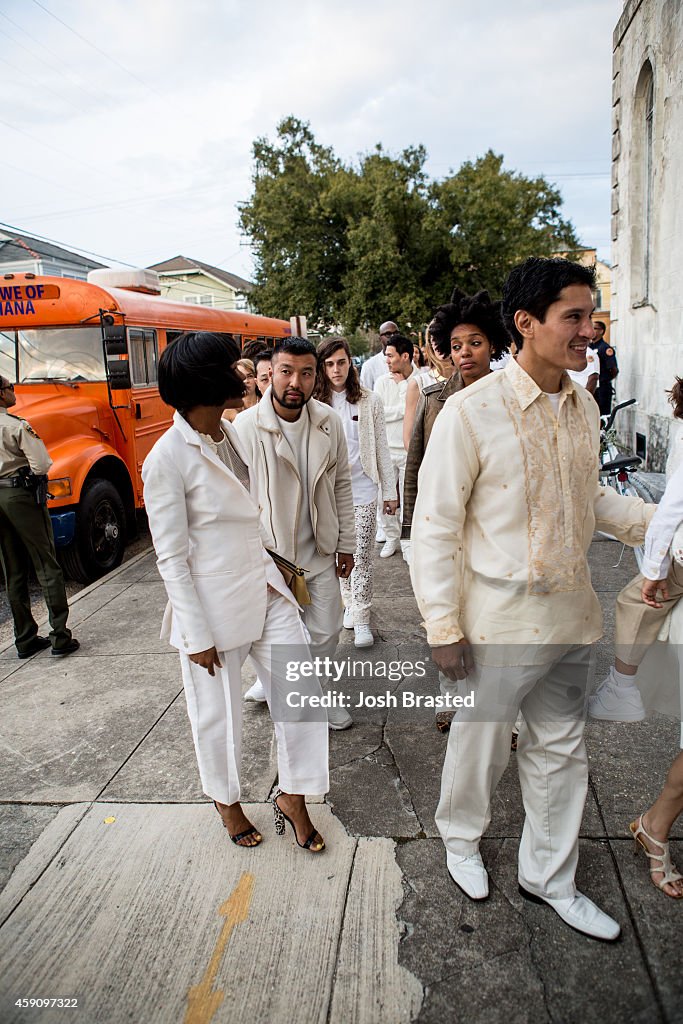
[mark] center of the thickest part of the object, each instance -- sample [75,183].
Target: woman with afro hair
[470,330]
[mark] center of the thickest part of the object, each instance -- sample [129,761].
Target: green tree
[490,218]
[387,266]
[299,245]
[353,245]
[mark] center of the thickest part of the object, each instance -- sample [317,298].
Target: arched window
[642,170]
[647,204]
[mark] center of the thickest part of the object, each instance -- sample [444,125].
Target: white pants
[392,524]
[214,705]
[357,590]
[551,760]
[323,617]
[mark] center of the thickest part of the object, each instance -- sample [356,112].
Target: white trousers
[551,760]
[357,590]
[214,705]
[392,524]
[323,617]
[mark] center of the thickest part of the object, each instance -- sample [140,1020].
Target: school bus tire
[100,536]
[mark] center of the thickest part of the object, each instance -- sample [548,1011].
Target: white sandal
[665,867]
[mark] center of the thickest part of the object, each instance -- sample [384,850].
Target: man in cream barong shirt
[500,575]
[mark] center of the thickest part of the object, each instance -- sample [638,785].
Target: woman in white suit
[226,597]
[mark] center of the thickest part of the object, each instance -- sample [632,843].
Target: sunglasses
[388,334]
[7,387]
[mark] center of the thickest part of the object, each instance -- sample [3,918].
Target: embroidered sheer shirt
[508,499]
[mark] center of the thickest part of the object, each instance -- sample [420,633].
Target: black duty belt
[10,481]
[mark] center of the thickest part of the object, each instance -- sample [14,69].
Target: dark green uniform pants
[26,537]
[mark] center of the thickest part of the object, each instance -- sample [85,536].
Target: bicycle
[618,469]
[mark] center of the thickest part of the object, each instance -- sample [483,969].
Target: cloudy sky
[127,126]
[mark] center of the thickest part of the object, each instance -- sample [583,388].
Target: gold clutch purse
[293,575]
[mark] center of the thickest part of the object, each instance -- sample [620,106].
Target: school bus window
[142,352]
[60,353]
[8,364]
[172,336]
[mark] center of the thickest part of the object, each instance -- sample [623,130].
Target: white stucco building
[647,217]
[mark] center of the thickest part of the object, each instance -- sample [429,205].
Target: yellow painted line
[203,999]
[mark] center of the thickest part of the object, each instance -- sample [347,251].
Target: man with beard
[298,456]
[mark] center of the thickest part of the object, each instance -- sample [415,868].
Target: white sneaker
[469,873]
[612,703]
[256,692]
[389,549]
[581,914]
[405,551]
[348,618]
[364,637]
[380,536]
[338,719]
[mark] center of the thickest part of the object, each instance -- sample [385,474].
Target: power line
[55,149]
[73,79]
[53,241]
[118,203]
[97,49]
[192,290]
[41,177]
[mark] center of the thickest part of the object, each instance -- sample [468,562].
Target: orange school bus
[84,357]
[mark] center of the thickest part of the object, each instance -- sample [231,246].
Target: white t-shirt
[554,401]
[364,490]
[372,368]
[592,366]
[297,434]
[393,395]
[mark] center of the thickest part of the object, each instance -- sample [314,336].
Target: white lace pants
[357,589]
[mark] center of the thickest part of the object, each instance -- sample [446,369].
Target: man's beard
[289,401]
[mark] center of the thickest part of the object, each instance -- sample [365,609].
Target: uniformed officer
[26,535]
[608,368]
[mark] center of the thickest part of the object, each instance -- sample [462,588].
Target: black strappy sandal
[281,818]
[236,839]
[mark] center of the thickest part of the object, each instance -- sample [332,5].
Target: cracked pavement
[384,935]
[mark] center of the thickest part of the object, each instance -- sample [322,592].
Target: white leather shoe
[389,549]
[348,618]
[364,637]
[338,719]
[469,873]
[256,692]
[581,914]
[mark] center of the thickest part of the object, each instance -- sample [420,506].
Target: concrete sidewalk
[122,891]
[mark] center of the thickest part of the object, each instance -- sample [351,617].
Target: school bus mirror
[115,340]
[118,374]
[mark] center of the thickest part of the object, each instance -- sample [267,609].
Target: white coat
[279,485]
[210,551]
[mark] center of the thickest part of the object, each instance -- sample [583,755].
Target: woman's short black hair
[469,309]
[535,285]
[198,369]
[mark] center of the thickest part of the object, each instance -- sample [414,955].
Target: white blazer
[210,552]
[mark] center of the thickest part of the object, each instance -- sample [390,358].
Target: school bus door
[150,416]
